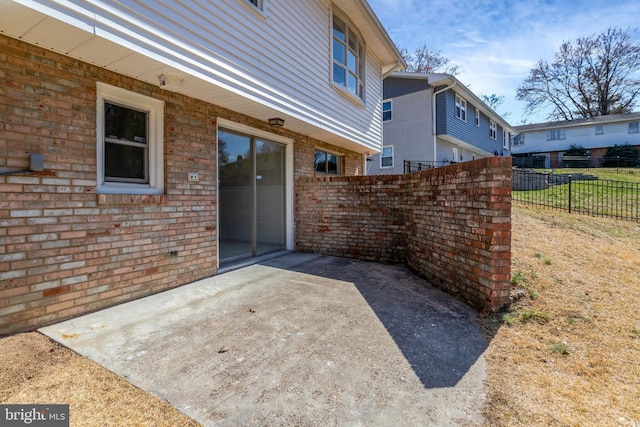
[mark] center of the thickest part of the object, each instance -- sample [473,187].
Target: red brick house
[143,147]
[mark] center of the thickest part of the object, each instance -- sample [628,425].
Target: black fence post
[569,193]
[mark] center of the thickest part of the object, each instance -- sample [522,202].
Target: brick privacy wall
[451,225]
[65,250]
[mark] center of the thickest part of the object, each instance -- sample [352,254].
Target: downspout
[433,110]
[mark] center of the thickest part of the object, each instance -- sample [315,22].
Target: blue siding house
[435,120]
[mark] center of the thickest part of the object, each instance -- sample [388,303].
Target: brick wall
[452,225]
[65,250]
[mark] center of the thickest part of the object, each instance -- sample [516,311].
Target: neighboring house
[436,120]
[144,145]
[546,142]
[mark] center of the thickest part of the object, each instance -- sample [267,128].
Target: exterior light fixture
[276,122]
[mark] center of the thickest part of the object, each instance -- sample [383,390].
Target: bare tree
[426,60]
[590,76]
[494,101]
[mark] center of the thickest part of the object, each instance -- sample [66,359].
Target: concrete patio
[298,340]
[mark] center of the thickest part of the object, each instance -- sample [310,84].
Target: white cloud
[496,43]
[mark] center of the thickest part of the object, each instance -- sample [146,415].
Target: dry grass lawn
[34,369]
[566,354]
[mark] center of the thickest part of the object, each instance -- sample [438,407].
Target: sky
[496,43]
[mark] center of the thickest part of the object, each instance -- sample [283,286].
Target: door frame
[259,133]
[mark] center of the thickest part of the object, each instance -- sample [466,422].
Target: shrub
[624,155]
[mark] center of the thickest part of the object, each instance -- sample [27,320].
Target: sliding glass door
[251,196]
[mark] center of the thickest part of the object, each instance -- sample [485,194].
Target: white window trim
[392,156]
[556,135]
[505,139]
[477,116]
[637,127]
[155,109]
[260,8]
[493,129]
[359,99]
[341,163]
[463,107]
[601,128]
[390,101]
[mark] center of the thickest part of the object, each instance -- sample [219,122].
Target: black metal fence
[420,165]
[578,193]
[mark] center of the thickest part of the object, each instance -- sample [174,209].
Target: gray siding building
[436,120]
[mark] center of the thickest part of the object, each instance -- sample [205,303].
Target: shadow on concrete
[438,335]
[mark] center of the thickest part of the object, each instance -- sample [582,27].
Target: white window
[633,127]
[493,129]
[505,139]
[348,58]
[599,129]
[387,111]
[129,142]
[477,118]
[518,139]
[461,108]
[329,163]
[556,134]
[386,158]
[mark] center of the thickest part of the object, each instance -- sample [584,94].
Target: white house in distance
[433,120]
[543,144]
[146,144]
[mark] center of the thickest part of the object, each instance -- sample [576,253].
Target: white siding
[585,136]
[279,59]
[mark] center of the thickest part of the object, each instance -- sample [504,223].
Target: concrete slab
[298,340]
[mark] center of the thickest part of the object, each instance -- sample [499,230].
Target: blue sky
[496,43]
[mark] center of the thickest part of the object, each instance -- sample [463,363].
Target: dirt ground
[566,354]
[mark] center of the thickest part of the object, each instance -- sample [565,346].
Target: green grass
[559,348]
[535,316]
[615,194]
[610,174]
[508,319]
[517,278]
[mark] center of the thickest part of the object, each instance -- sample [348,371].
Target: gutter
[392,69]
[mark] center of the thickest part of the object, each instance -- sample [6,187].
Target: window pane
[339,52]
[353,41]
[124,161]
[386,116]
[353,84]
[332,163]
[352,62]
[125,123]
[387,161]
[339,75]
[339,29]
[320,161]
